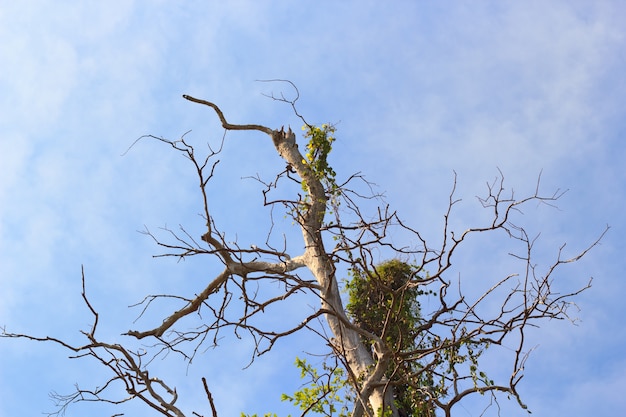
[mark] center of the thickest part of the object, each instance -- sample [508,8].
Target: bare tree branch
[438,359]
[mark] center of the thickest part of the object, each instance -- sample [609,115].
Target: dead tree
[449,338]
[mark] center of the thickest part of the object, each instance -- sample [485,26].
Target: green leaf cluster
[321,394]
[318,148]
[384,301]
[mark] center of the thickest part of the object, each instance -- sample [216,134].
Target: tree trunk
[347,340]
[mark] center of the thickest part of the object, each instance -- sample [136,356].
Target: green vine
[384,301]
[318,148]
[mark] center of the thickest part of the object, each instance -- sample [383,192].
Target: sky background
[418,90]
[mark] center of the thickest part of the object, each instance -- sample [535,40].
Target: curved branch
[225,124]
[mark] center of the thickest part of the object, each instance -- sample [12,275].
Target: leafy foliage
[317,150]
[384,301]
[322,392]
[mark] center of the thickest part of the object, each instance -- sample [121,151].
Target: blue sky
[418,90]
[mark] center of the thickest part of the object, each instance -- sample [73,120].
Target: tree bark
[347,339]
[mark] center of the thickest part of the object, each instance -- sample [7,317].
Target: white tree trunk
[347,339]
